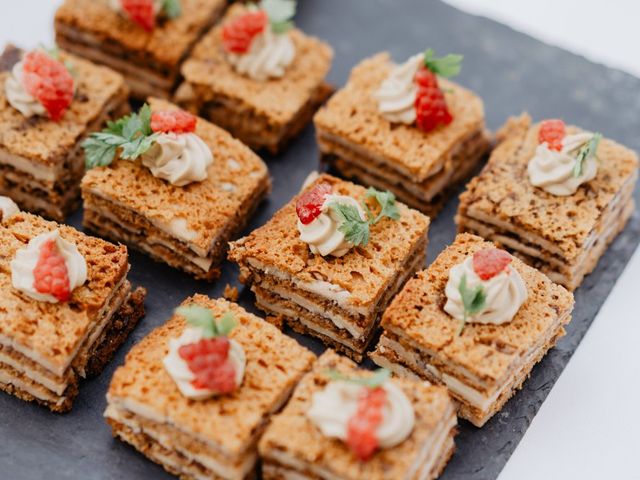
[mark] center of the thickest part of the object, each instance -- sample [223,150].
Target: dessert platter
[245,241]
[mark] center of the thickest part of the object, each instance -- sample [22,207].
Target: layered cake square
[49,102]
[173,186]
[145,40]
[477,320]
[66,306]
[196,394]
[554,195]
[330,261]
[256,76]
[405,128]
[346,423]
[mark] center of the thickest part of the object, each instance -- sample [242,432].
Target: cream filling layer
[37,391]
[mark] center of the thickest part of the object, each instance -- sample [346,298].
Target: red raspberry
[431,108]
[49,81]
[426,78]
[552,132]
[176,121]
[361,430]
[309,204]
[51,275]
[208,360]
[141,12]
[238,34]
[489,262]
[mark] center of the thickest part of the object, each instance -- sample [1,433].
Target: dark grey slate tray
[512,72]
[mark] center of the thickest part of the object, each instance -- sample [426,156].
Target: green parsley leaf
[131,134]
[199,317]
[378,378]
[226,323]
[280,13]
[172,8]
[356,230]
[473,301]
[448,66]
[387,202]
[587,151]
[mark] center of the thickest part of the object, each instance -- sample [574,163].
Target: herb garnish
[587,151]
[447,66]
[131,134]
[374,381]
[473,301]
[172,8]
[203,318]
[280,13]
[355,229]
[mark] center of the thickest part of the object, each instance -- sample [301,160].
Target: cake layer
[120,223]
[567,272]
[22,381]
[463,156]
[258,130]
[478,398]
[198,458]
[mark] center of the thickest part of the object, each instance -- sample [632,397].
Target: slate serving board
[512,72]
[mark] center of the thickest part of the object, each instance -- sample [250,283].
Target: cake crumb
[230,293]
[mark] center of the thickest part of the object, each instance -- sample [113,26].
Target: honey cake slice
[263,103]
[214,435]
[338,297]
[41,161]
[485,363]
[565,235]
[420,167]
[47,347]
[149,58]
[186,226]
[295,444]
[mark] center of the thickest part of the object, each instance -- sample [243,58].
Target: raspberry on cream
[494,284]
[335,409]
[29,269]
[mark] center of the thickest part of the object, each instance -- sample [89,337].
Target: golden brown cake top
[352,115]
[274,364]
[293,434]
[365,271]
[208,207]
[486,350]
[278,99]
[166,45]
[46,142]
[503,190]
[54,331]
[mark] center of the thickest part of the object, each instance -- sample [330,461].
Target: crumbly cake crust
[352,114]
[48,143]
[487,351]
[55,331]
[165,46]
[502,191]
[364,272]
[275,362]
[292,434]
[211,77]
[205,208]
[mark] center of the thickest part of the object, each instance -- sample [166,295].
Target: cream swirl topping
[26,259]
[8,208]
[397,94]
[179,370]
[178,158]
[268,57]
[322,234]
[17,95]
[553,170]
[333,407]
[505,293]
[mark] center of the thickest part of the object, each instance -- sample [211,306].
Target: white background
[588,427]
